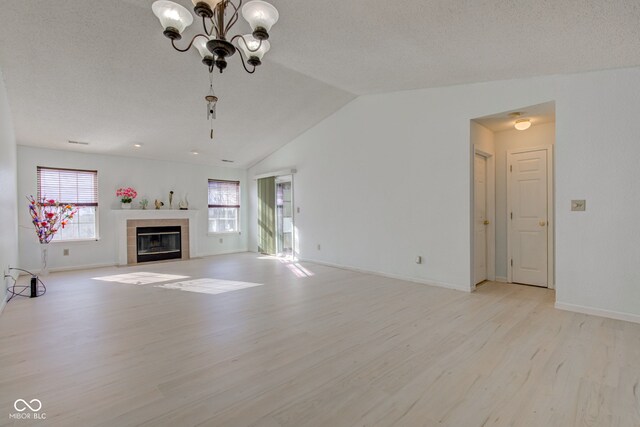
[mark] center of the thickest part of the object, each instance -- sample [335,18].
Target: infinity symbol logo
[21,403]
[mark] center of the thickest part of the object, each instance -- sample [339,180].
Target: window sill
[223,233]
[66,242]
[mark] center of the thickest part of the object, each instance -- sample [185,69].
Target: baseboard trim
[3,304]
[501,279]
[37,270]
[616,315]
[389,276]
[234,251]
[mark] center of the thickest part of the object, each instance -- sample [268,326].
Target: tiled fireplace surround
[132,224]
[126,222]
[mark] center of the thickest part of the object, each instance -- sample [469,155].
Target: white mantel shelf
[155,213]
[122,215]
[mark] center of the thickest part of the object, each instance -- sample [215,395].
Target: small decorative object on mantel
[159,204]
[171,199]
[184,204]
[143,204]
[126,194]
[48,216]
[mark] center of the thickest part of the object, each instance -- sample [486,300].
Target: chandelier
[214,44]
[218,17]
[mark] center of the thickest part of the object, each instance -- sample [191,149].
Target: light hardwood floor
[328,348]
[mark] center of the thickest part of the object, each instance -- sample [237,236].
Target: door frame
[293,213]
[550,212]
[491,215]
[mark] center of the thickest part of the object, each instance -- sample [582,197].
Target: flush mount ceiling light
[218,17]
[213,43]
[520,124]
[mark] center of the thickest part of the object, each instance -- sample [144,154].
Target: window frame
[94,205]
[238,207]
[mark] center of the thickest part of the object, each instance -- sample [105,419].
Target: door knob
[543,223]
[486,222]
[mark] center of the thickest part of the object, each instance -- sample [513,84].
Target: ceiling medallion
[213,43]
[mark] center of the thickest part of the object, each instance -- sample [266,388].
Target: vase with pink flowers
[126,194]
[48,217]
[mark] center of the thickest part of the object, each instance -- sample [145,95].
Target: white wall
[535,136]
[387,178]
[152,179]
[482,138]
[8,208]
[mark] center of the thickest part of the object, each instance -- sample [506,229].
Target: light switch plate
[578,205]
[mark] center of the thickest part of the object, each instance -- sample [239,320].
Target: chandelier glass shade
[218,18]
[172,15]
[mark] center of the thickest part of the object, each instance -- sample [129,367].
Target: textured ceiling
[102,72]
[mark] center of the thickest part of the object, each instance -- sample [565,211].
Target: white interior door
[529,217]
[480,218]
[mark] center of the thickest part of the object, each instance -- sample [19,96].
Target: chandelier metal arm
[204,25]
[240,36]
[236,14]
[245,65]
[173,43]
[214,27]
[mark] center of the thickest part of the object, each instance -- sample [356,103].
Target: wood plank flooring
[312,346]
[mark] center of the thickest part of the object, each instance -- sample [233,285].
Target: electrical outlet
[65,252]
[578,205]
[221,240]
[318,246]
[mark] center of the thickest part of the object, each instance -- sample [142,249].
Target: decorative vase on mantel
[126,205]
[44,258]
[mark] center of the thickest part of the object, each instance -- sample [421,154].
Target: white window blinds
[224,194]
[78,187]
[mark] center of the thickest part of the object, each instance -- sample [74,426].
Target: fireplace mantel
[123,215]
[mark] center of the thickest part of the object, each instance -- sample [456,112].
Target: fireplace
[129,221]
[158,243]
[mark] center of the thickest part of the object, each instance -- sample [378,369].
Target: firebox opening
[158,243]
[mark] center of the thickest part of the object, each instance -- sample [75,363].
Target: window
[224,206]
[77,187]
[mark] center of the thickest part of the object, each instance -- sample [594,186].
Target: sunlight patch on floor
[292,264]
[140,278]
[299,270]
[209,286]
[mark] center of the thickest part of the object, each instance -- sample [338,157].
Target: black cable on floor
[19,290]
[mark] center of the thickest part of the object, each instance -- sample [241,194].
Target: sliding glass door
[284,215]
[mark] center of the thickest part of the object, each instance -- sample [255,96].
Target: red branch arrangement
[48,216]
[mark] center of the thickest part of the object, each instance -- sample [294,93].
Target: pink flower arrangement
[48,216]
[126,194]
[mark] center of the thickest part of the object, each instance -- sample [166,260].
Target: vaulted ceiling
[102,72]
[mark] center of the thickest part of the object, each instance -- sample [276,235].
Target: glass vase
[44,258]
